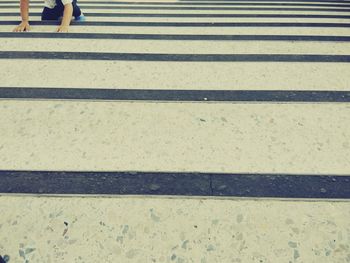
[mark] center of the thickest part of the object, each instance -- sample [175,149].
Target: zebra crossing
[249,89]
[176,131]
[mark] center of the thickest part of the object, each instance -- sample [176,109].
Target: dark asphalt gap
[290,96]
[174,57]
[170,37]
[200,8]
[83,3]
[186,24]
[199,2]
[177,184]
[195,15]
[269,1]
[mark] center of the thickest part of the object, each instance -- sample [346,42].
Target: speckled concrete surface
[177,46]
[207,137]
[173,230]
[187,19]
[182,11]
[194,30]
[175,75]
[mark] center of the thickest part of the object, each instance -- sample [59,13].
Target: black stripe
[199,15]
[311,1]
[201,8]
[177,37]
[82,4]
[198,2]
[176,95]
[174,57]
[163,183]
[186,24]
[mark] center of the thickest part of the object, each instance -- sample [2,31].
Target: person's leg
[76,9]
[58,10]
[52,14]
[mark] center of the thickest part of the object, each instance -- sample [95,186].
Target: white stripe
[194,19]
[123,136]
[175,75]
[179,5]
[176,46]
[194,30]
[214,3]
[264,223]
[132,11]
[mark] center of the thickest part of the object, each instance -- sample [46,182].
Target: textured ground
[257,91]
